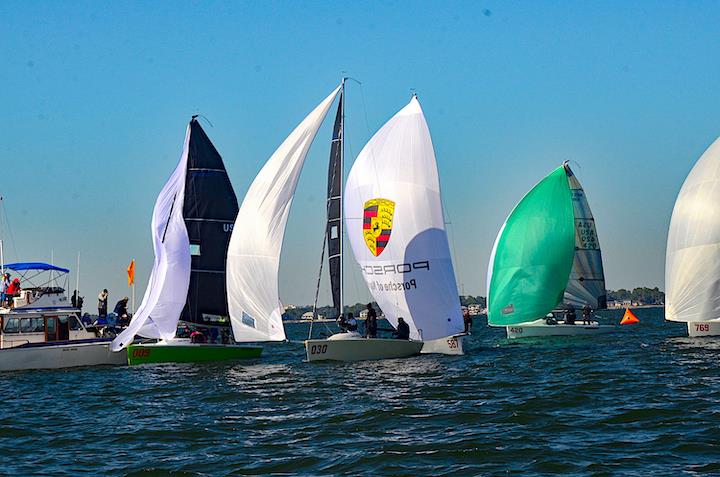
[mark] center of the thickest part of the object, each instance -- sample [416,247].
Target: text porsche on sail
[395,269]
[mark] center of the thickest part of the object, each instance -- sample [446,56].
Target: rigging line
[7,226]
[167,224]
[204,117]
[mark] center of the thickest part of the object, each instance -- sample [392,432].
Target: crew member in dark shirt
[403,330]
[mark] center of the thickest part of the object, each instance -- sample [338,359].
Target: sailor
[371,322]
[351,323]
[102,303]
[403,330]
[467,320]
[569,314]
[550,319]
[587,314]
[342,323]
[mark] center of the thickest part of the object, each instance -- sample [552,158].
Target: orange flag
[131,273]
[629,318]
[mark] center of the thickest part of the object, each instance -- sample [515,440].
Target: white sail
[692,260]
[395,225]
[587,278]
[253,258]
[166,293]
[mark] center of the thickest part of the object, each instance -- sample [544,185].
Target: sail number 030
[318,349]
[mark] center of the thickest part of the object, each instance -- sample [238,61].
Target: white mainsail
[586,285]
[395,225]
[692,260]
[166,293]
[253,258]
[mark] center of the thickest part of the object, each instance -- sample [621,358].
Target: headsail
[395,225]
[167,289]
[692,260]
[253,260]
[334,230]
[533,254]
[209,212]
[587,279]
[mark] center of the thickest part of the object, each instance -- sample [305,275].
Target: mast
[341,232]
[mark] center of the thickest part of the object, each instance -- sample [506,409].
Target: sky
[96,96]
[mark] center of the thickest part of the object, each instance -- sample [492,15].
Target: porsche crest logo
[377,224]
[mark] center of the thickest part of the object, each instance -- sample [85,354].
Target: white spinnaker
[692,260]
[413,276]
[587,278]
[166,293]
[253,258]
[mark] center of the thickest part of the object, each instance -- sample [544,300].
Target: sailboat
[547,255]
[191,226]
[253,261]
[692,260]
[394,220]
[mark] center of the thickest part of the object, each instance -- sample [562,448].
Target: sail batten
[253,259]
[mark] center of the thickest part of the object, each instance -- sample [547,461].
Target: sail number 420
[318,349]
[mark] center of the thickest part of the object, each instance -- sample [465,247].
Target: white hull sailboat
[60,355]
[547,255]
[692,260]
[393,216]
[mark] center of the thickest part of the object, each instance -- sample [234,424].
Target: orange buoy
[629,318]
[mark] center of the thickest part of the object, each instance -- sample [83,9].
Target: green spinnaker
[534,254]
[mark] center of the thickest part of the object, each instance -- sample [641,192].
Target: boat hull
[57,356]
[452,345]
[188,353]
[705,328]
[540,329]
[360,349]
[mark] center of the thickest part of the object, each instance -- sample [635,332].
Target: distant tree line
[647,296]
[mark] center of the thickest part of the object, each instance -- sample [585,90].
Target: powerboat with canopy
[192,222]
[546,255]
[39,329]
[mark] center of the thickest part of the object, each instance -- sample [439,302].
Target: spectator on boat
[467,320]
[122,312]
[371,322]
[13,290]
[74,299]
[587,314]
[403,330]
[570,314]
[4,284]
[102,303]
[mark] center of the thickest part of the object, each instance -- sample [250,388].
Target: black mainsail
[209,212]
[334,230]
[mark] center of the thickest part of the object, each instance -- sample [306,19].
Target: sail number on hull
[318,349]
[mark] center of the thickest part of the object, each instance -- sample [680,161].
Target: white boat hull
[352,347]
[452,345]
[540,328]
[704,328]
[66,355]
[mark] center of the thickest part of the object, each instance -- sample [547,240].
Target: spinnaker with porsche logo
[395,225]
[547,260]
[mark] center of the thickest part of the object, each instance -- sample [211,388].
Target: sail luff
[253,259]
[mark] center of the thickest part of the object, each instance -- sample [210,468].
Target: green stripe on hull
[195,353]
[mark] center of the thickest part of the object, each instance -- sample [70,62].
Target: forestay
[533,254]
[395,225]
[692,261]
[253,260]
[166,293]
[587,278]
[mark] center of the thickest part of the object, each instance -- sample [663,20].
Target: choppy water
[643,401]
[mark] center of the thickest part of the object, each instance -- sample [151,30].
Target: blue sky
[95,98]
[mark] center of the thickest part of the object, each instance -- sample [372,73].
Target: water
[643,401]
